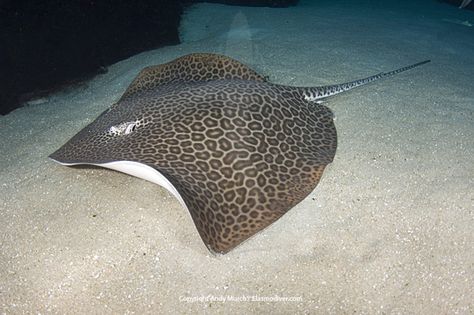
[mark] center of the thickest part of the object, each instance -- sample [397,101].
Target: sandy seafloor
[388,230]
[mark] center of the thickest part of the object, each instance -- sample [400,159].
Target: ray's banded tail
[320,92]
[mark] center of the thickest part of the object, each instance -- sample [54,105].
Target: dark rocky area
[256,3]
[457,3]
[47,45]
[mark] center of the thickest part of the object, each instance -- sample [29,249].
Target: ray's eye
[130,128]
[123,129]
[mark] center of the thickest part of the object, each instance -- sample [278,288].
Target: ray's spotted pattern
[237,151]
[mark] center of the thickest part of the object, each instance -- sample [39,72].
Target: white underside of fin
[138,170]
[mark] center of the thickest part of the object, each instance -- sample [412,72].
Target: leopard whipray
[237,151]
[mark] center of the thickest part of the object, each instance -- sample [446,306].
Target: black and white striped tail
[320,92]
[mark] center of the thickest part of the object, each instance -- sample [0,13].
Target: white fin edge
[138,170]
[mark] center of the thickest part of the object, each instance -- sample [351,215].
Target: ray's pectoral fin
[196,67]
[227,217]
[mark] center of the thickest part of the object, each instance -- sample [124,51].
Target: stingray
[236,150]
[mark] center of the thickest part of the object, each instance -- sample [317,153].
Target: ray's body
[236,150]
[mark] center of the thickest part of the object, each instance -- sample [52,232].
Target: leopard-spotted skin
[240,151]
[191,68]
